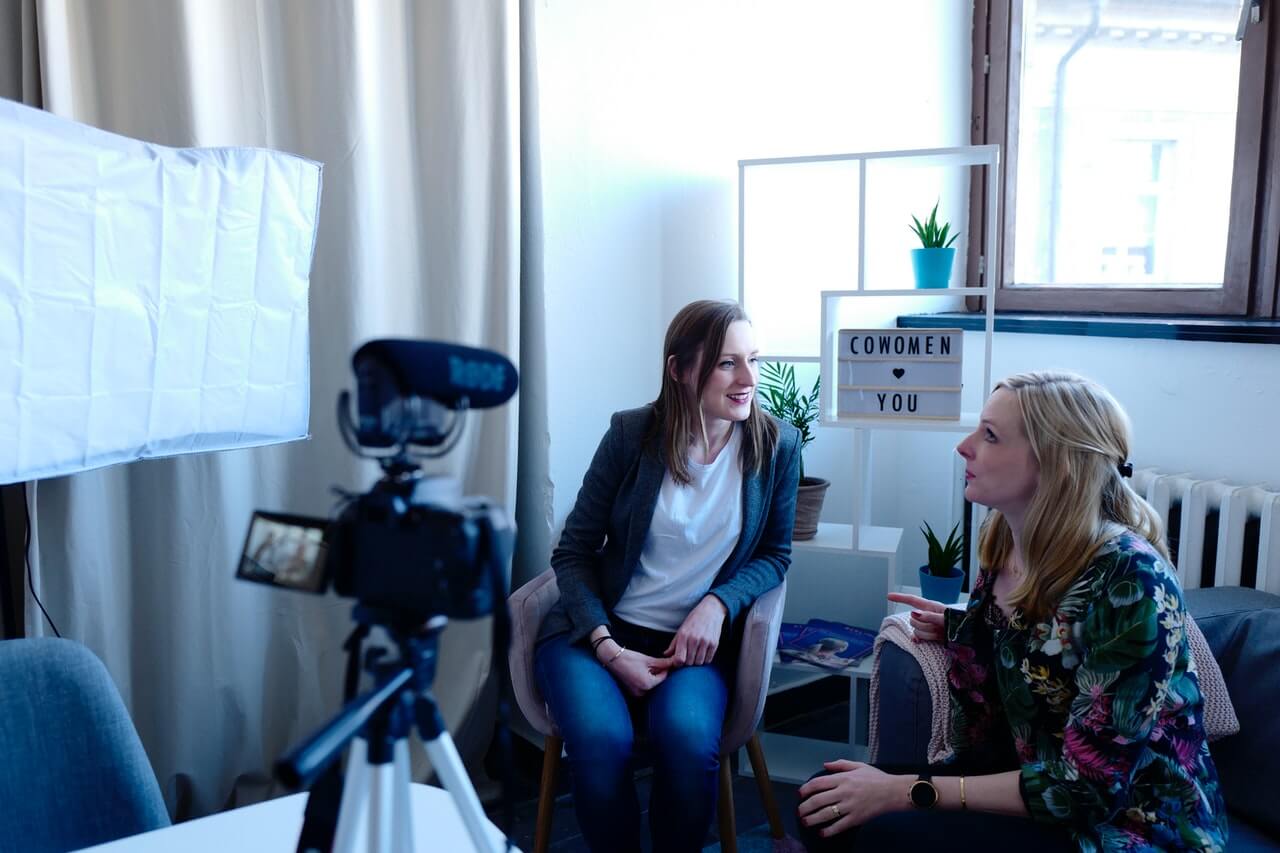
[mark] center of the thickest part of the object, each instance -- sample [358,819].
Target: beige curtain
[413,108]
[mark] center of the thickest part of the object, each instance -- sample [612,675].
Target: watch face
[923,794]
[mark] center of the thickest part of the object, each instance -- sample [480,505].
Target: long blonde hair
[1080,436]
[695,337]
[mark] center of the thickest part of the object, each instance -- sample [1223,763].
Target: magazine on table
[832,645]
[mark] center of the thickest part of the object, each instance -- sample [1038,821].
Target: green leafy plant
[780,396]
[943,556]
[931,236]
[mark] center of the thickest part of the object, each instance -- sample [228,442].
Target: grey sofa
[1242,627]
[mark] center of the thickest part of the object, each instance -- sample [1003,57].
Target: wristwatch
[922,793]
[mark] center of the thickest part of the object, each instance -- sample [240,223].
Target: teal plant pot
[933,266]
[942,590]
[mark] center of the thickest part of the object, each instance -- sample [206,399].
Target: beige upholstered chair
[530,603]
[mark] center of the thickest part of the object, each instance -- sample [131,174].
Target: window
[1138,145]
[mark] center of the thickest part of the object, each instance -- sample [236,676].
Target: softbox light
[153,300]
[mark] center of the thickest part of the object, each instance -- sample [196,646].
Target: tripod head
[376,786]
[385,713]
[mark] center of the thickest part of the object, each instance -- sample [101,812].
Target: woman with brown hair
[1076,715]
[683,520]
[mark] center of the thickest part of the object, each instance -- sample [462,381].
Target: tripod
[374,814]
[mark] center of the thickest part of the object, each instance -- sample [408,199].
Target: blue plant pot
[933,266]
[942,590]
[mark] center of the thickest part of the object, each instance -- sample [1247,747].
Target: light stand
[374,814]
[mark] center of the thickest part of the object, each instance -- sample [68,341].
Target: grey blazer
[606,530]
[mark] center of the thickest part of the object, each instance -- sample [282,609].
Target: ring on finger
[835,810]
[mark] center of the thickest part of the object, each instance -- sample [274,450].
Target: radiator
[1221,534]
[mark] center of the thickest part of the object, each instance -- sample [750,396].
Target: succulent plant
[931,236]
[943,556]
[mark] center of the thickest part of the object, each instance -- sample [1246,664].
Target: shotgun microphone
[403,388]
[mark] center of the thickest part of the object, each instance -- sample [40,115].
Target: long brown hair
[694,339]
[1080,435]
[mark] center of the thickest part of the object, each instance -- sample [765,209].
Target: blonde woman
[1076,713]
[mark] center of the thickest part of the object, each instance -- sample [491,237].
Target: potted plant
[932,262]
[940,578]
[781,397]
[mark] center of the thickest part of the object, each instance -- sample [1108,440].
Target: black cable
[26,548]
[9,614]
[351,684]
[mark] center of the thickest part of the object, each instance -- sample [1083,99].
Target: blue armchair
[74,773]
[1242,628]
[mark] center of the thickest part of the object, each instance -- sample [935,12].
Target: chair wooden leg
[728,828]
[761,771]
[551,747]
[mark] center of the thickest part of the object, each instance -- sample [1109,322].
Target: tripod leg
[402,840]
[353,812]
[382,798]
[374,815]
[448,766]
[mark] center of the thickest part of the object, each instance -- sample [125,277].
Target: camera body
[412,546]
[393,549]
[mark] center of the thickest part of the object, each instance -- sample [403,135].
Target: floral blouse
[1100,707]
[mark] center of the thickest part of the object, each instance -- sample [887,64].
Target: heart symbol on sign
[898,373]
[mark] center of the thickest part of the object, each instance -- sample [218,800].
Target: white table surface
[273,826]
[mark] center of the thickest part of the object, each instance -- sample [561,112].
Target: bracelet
[621,649]
[595,644]
[963,804]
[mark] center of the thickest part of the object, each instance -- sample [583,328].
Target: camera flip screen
[285,550]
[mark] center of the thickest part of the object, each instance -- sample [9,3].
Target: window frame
[1253,244]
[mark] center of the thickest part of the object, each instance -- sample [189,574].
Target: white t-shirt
[693,531]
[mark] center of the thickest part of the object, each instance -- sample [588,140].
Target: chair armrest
[755,662]
[905,709]
[529,605]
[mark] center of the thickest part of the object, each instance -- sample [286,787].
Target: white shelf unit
[875,541]
[862,428]
[793,758]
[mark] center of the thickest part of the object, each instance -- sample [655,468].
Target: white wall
[643,119]
[1206,408]
[645,110]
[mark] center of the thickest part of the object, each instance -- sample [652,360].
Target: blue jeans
[682,717]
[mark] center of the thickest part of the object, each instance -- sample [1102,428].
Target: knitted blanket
[1219,715]
[932,658]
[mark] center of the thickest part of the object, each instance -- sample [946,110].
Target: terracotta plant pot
[809,497]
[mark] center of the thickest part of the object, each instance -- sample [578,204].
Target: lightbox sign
[900,373]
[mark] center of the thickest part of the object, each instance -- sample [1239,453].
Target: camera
[412,545]
[395,549]
[413,552]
